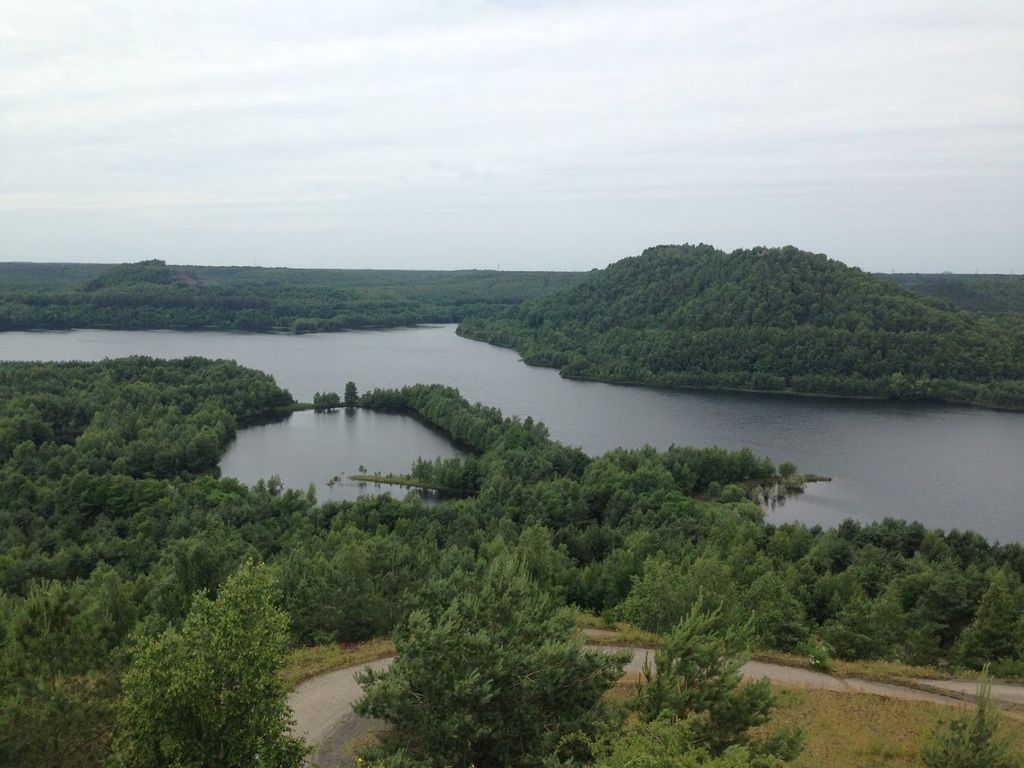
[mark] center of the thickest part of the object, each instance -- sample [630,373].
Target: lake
[326,448]
[947,466]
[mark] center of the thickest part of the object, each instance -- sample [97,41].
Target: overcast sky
[539,135]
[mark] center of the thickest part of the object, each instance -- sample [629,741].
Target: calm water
[949,467]
[326,448]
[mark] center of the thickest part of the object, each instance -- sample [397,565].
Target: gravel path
[1007,693]
[797,677]
[324,716]
[322,707]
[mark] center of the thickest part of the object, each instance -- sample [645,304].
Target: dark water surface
[947,466]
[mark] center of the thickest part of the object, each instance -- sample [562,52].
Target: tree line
[152,294]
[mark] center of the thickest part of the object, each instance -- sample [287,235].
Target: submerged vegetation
[776,319]
[118,546]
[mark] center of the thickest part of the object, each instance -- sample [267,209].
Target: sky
[562,135]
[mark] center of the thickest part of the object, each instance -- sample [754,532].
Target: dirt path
[323,713]
[324,716]
[1007,693]
[797,677]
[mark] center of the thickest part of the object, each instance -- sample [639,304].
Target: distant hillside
[16,275]
[152,294]
[991,294]
[767,319]
[152,272]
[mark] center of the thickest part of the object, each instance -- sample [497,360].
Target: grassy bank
[851,731]
[304,663]
[404,480]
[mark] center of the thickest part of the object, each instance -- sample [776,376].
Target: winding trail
[324,716]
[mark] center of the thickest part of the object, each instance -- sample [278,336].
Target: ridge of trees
[776,319]
[152,294]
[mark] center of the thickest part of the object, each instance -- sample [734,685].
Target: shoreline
[623,382]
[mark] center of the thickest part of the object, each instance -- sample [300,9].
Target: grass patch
[404,480]
[304,663]
[847,730]
[600,631]
[852,730]
[880,671]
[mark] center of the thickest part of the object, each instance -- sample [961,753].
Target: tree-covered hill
[768,319]
[990,294]
[152,294]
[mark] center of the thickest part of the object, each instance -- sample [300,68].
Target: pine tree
[991,635]
[494,675]
[972,741]
[697,673]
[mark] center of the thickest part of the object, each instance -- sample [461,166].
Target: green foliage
[325,401]
[764,319]
[208,695]
[976,293]
[665,593]
[351,393]
[152,294]
[56,686]
[777,618]
[853,632]
[136,416]
[696,679]
[819,656]
[493,676]
[973,740]
[669,743]
[991,635]
[330,592]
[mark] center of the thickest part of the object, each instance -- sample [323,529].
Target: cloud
[562,134]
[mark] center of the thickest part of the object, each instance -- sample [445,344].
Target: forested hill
[152,294]
[979,293]
[768,319]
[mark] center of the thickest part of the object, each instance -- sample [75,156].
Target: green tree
[351,394]
[495,677]
[666,743]
[973,740]
[55,703]
[696,679]
[854,633]
[325,401]
[991,635]
[776,616]
[208,695]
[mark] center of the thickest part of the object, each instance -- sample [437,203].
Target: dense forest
[775,319]
[990,294]
[152,294]
[122,554]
